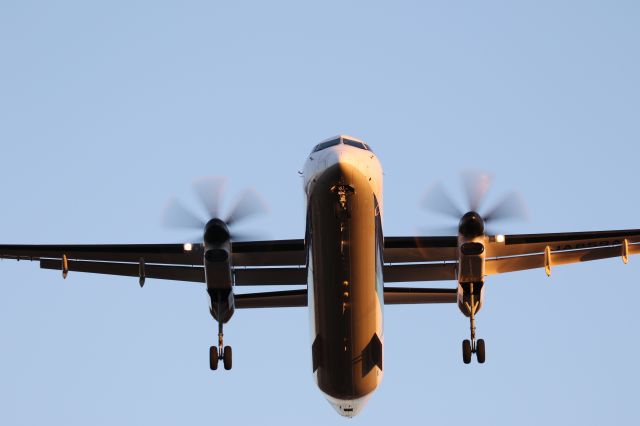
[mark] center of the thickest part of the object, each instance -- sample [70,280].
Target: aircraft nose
[335,156]
[349,408]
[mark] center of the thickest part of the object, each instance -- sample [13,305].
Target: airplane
[341,268]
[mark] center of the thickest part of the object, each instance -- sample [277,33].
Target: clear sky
[107,109]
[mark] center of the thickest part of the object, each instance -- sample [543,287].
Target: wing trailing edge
[392,296]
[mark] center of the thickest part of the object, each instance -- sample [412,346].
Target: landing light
[500,238]
[188,247]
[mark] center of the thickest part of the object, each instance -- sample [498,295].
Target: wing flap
[163,272]
[272,299]
[256,276]
[407,295]
[419,272]
[519,263]
[392,296]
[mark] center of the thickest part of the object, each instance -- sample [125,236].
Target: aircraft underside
[345,287]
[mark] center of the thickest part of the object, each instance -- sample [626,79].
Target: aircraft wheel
[227,357]
[213,357]
[480,351]
[466,351]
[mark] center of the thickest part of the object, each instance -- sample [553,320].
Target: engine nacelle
[217,255]
[471,262]
[217,269]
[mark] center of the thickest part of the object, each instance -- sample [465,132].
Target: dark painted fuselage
[344,241]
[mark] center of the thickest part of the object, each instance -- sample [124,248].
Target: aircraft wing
[420,249]
[283,262]
[529,251]
[412,259]
[276,262]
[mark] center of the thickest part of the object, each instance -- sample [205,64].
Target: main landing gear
[220,352]
[472,346]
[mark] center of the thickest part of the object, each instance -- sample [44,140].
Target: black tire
[213,357]
[466,351]
[227,357]
[480,351]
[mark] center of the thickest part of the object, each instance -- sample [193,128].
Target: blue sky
[107,109]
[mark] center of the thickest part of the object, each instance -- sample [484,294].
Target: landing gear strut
[220,352]
[472,346]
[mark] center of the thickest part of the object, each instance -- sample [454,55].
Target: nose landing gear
[471,346]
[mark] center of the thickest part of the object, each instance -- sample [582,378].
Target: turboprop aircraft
[342,268]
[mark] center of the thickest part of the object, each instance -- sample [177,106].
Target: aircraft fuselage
[343,186]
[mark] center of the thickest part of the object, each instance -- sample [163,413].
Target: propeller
[210,192]
[476,185]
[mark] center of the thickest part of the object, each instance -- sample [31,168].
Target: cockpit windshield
[326,144]
[356,144]
[341,140]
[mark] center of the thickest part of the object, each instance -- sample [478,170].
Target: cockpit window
[360,145]
[326,144]
[338,141]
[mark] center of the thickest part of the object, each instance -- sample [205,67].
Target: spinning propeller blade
[476,185]
[511,207]
[176,215]
[210,191]
[437,200]
[249,204]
